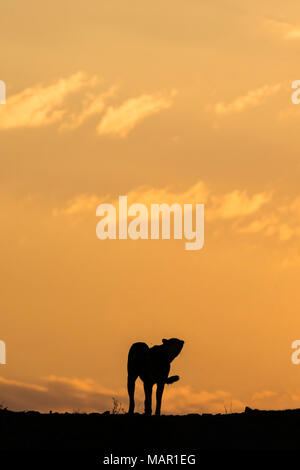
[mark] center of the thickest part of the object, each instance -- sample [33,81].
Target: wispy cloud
[250,99]
[263,394]
[41,105]
[293,34]
[276,400]
[119,121]
[231,205]
[272,226]
[69,394]
[92,105]
[83,203]
[186,400]
[281,221]
[261,213]
[238,204]
[21,385]
[86,395]
[147,195]
[58,393]
[287,31]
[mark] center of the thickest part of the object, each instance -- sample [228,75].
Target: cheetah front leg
[130,387]
[159,392]
[148,398]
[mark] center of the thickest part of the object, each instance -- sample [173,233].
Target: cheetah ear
[164,341]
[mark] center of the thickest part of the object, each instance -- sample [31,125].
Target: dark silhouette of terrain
[93,436]
[152,365]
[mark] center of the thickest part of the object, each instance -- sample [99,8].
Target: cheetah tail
[172,379]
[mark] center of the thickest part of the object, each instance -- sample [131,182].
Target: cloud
[263,394]
[16,383]
[275,400]
[79,204]
[92,105]
[147,195]
[238,204]
[252,98]
[286,30]
[41,105]
[261,213]
[293,34]
[86,395]
[69,394]
[231,205]
[180,400]
[281,221]
[119,121]
[58,393]
[265,225]
[258,225]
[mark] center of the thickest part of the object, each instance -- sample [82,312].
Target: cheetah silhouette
[152,365]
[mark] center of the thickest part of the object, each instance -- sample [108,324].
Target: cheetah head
[173,347]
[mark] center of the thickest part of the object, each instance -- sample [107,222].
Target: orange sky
[163,101]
